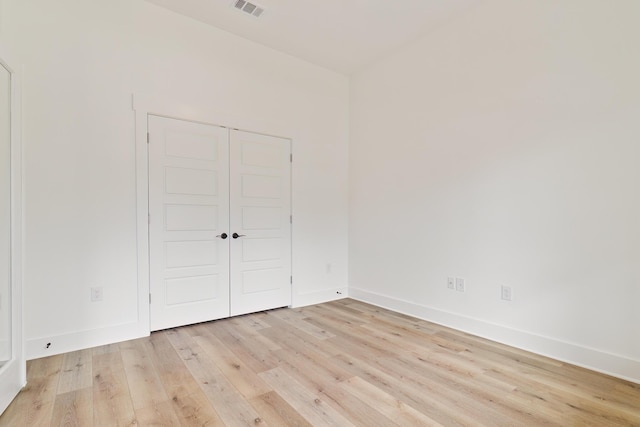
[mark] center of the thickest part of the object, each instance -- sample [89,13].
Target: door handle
[222,236]
[236,235]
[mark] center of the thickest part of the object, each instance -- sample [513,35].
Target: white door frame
[143,107]
[13,374]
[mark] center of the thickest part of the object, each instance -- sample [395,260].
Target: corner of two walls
[502,149]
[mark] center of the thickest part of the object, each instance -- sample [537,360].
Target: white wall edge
[142,218]
[318,297]
[575,354]
[14,371]
[81,340]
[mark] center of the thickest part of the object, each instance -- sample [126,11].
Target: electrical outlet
[451,283]
[506,293]
[96,294]
[460,284]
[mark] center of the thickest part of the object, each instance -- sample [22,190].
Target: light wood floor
[337,364]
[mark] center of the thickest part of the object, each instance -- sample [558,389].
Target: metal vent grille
[248,8]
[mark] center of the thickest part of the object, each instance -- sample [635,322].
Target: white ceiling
[342,35]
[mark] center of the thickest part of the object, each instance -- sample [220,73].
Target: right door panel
[260,209]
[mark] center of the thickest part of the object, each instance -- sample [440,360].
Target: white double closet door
[219,222]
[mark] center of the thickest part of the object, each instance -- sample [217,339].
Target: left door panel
[189,216]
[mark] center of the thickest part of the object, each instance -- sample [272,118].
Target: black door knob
[222,236]
[236,235]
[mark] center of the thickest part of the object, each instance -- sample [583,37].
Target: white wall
[83,60]
[503,148]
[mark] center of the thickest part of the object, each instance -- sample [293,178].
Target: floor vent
[248,7]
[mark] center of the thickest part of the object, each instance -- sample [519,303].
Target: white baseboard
[81,340]
[318,297]
[37,347]
[593,359]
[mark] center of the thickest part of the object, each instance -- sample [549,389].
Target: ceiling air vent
[248,7]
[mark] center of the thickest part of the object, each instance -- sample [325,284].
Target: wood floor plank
[73,409]
[340,363]
[393,408]
[310,405]
[418,329]
[142,377]
[355,339]
[244,327]
[173,374]
[247,382]
[420,374]
[418,332]
[195,410]
[157,414]
[466,341]
[277,412]
[409,340]
[285,337]
[232,408]
[482,401]
[253,353]
[354,409]
[546,384]
[189,403]
[312,369]
[396,387]
[112,404]
[255,320]
[76,371]
[381,314]
[449,364]
[299,322]
[317,379]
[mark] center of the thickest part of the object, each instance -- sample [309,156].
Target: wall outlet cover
[96,294]
[506,293]
[451,283]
